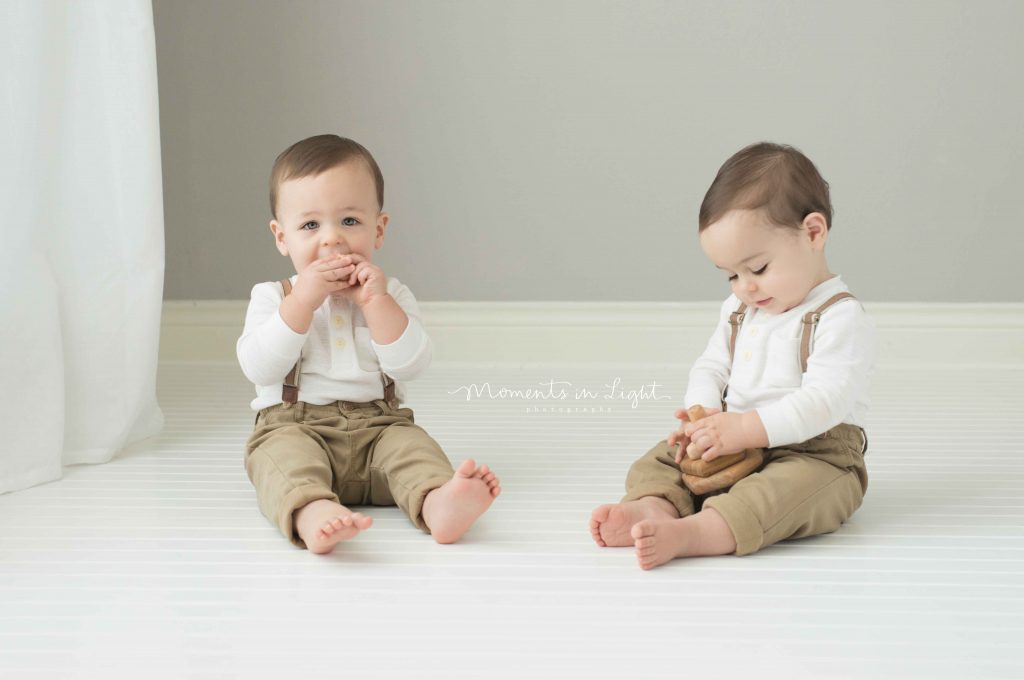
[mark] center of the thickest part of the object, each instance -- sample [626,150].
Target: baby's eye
[733,277]
[761,270]
[350,221]
[309,225]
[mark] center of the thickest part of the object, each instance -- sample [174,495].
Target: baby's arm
[838,371]
[409,351]
[708,378]
[710,372]
[268,347]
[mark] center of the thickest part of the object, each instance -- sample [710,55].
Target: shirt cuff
[404,350]
[778,421]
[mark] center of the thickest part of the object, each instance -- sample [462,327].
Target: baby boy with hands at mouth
[328,350]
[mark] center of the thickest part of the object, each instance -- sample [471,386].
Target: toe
[466,468]
[641,529]
[595,531]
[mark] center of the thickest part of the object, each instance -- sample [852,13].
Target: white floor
[160,565]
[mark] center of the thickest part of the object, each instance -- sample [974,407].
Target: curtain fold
[81,270]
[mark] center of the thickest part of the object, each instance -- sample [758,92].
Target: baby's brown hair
[314,155]
[775,178]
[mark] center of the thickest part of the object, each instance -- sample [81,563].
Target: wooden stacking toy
[703,477]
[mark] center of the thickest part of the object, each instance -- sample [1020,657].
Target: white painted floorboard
[159,563]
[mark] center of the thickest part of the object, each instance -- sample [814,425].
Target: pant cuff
[295,499]
[745,526]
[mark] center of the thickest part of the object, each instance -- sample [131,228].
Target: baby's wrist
[300,295]
[296,314]
[376,301]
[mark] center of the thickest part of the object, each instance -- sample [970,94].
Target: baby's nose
[330,236]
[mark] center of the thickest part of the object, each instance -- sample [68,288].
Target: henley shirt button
[338,319]
[340,343]
[747,355]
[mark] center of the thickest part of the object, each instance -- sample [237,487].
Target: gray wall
[559,149]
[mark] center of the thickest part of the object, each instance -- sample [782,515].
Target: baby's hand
[367,282]
[680,437]
[323,277]
[718,435]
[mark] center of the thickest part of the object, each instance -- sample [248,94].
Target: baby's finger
[354,278]
[337,286]
[711,454]
[332,261]
[340,273]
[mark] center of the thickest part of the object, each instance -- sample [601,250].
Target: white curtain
[82,257]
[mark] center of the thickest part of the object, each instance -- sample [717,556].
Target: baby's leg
[292,475]
[794,496]
[654,490]
[324,523]
[659,540]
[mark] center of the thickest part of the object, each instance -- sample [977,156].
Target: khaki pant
[801,489]
[353,454]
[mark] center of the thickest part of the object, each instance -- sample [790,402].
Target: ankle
[663,504]
[712,535]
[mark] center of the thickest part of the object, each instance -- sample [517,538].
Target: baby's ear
[278,231]
[816,228]
[382,225]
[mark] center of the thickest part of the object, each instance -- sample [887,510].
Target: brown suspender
[736,320]
[290,388]
[809,322]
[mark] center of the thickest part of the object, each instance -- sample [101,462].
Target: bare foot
[322,524]
[450,509]
[610,524]
[659,540]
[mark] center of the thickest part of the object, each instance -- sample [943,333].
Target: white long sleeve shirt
[765,373]
[340,361]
